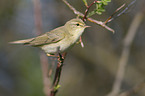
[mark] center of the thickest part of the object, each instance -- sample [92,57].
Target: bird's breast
[63,44]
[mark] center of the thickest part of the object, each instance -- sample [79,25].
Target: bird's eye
[78,24]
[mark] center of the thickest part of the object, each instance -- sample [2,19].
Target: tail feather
[26,41]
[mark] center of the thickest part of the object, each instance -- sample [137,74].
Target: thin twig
[134,90]
[87,10]
[56,80]
[112,18]
[125,54]
[89,19]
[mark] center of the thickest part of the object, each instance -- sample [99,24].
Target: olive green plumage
[62,37]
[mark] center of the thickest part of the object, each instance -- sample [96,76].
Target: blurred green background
[88,71]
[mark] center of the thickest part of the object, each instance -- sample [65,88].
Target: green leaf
[56,87]
[85,2]
[108,0]
[92,13]
[99,7]
[105,3]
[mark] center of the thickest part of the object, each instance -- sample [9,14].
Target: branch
[89,19]
[125,54]
[112,18]
[87,10]
[134,90]
[43,58]
[37,16]
[56,80]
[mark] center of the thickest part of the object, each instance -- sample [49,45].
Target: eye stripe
[77,23]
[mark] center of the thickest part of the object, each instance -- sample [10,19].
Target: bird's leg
[56,54]
[64,55]
[60,56]
[52,55]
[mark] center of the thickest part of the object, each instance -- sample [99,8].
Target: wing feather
[50,37]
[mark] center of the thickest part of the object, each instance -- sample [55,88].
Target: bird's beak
[87,26]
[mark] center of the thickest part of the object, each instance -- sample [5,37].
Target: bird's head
[75,26]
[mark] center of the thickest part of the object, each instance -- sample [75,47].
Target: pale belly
[62,46]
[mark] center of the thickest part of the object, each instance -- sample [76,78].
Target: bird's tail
[26,41]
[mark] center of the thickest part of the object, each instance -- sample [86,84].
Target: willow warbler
[62,37]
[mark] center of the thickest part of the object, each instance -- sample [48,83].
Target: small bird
[61,38]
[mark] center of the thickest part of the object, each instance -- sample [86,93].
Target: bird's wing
[50,37]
